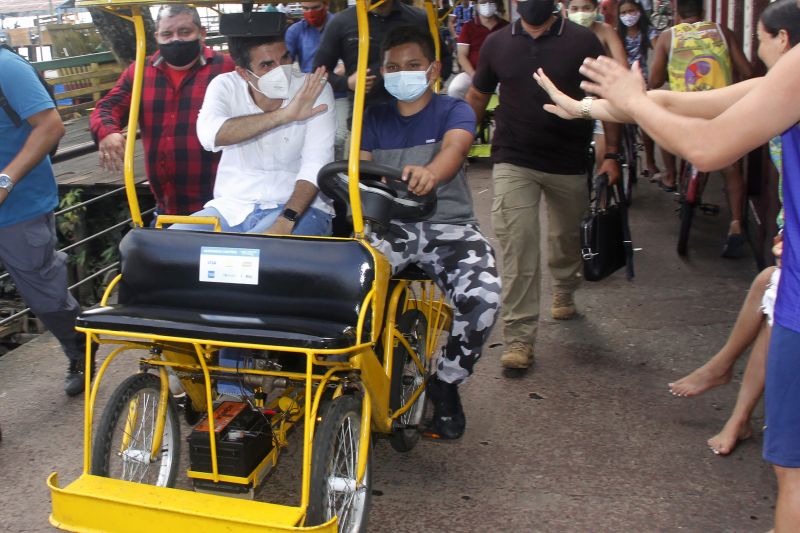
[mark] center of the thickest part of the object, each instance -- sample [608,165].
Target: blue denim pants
[312,222]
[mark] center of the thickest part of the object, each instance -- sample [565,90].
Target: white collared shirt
[262,171]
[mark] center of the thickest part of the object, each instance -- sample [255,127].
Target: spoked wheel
[688,199]
[334,462]
[660,21]
[630,167]
[123,445]
[687,215]
[407,378]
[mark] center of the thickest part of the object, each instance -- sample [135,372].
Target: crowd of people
[242,136]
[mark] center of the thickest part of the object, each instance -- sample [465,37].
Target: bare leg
[787,511]
[734,184]
[669,168]
[717,371]
[738,426]
[649,154]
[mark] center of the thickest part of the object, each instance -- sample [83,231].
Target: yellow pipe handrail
[188,219]
[133,117]
[358,118]
[433,26]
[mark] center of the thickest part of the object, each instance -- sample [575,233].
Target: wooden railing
[89,77]
[85,77]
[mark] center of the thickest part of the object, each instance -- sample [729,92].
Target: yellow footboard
[94,504]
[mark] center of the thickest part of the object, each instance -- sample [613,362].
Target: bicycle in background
[661,18]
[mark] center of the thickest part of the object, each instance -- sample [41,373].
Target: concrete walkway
[590,440]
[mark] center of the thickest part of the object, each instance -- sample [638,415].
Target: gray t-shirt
[397,141]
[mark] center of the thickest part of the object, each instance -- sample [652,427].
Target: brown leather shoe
[563,306]
[517,355]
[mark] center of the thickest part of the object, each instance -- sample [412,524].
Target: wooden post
[95,67]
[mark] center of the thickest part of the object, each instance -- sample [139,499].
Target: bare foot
[726,440]
[704,378]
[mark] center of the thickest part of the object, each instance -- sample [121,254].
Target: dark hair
[643,25]
[595,2]
[239,47]
[690,8]
[409,34]
[782,15]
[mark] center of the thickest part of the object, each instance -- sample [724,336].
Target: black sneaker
[76,375]
[448,415]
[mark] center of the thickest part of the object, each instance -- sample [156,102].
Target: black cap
[254,24]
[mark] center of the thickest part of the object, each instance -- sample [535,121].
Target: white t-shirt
[262,171]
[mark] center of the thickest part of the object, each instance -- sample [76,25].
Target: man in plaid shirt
[180,172]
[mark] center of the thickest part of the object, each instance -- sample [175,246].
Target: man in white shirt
[276,129]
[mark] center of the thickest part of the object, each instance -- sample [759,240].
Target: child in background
[637,34]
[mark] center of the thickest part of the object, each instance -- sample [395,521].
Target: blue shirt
[787,306]
[462,15]
[397,141]
[36,193]
[302,41]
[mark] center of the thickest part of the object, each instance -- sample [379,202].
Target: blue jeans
[312,222]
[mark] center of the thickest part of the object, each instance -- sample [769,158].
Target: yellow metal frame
[93,503]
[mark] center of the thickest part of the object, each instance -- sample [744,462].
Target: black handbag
[605,235]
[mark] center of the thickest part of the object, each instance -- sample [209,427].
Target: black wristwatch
[614,155]
[290,215]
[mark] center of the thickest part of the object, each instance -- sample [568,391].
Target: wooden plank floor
[85,171]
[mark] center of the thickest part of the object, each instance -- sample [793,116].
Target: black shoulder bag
[605,235]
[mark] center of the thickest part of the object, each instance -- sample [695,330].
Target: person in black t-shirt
[534,154]
[340,41]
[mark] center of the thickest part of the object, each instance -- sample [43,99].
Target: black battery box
[243,439]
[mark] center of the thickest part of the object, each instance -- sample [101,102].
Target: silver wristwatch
[6,183]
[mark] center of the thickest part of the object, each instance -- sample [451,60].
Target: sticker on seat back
[229,265]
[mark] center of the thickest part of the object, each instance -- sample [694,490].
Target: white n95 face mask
[275,83]
[487,10]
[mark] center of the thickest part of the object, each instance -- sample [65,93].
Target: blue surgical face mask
[407,85]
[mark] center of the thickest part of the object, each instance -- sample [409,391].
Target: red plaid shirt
[180,172]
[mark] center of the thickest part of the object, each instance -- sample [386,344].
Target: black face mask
[536,12]
[180,53]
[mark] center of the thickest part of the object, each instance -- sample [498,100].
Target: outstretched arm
[699,104]
[768,110]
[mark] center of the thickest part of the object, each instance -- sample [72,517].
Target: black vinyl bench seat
[309,291]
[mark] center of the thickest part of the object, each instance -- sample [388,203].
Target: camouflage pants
[461,262]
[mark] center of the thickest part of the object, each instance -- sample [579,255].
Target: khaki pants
[515,216]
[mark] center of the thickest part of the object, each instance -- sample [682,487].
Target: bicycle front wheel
[124,442]
[334,460]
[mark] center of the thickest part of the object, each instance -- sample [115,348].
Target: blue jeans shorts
[782,399]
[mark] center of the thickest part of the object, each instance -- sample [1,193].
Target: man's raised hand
[302,105]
